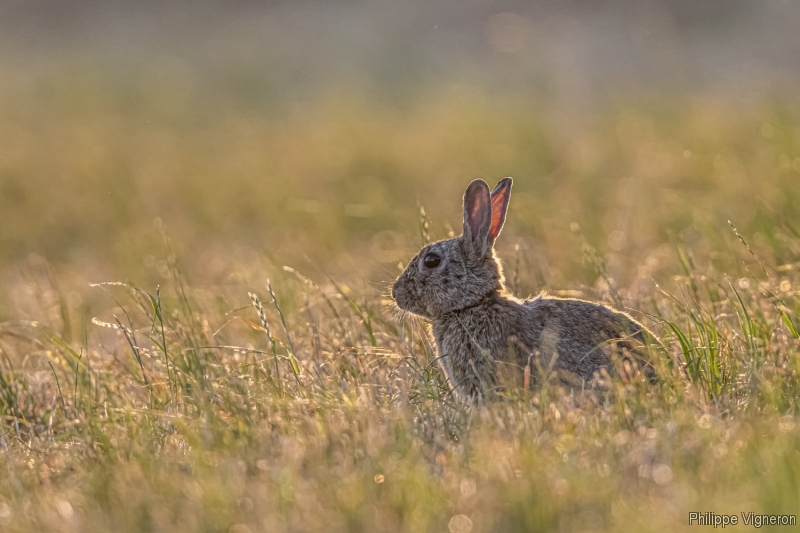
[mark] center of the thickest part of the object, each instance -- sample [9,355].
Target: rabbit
[478,325]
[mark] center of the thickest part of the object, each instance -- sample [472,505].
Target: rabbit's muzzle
[399,296]
[404,298]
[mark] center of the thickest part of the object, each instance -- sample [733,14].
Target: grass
[216,390]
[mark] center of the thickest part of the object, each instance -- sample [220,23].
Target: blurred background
[194,148]
[282,132]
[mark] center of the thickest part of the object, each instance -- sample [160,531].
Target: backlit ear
[500,197]
[478,215]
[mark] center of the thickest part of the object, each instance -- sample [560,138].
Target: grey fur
[478,325]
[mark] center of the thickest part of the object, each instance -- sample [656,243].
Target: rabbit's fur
[479,326]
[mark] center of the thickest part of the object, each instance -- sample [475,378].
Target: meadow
[196,332]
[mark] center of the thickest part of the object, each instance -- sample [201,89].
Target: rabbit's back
[584,336]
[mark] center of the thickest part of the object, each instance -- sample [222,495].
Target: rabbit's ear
[500,197]
[478,215]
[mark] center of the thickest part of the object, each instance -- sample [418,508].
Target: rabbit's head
[458,273]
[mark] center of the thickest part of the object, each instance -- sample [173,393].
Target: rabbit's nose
[394,292]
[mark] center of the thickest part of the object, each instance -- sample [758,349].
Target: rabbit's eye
[432,260]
